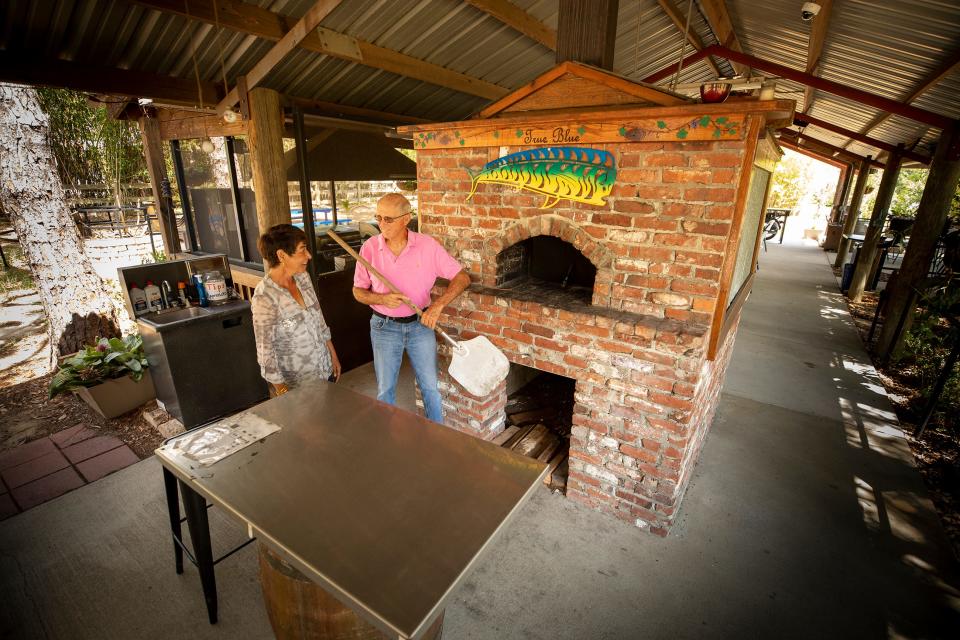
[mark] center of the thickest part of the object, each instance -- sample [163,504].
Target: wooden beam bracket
[340,44]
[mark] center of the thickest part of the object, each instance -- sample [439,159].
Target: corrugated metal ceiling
[885,47]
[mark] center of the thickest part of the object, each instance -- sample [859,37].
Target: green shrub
[108,359]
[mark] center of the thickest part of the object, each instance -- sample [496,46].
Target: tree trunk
[75,302]
[220,163]
[931,216]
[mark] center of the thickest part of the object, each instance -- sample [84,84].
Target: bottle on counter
[138,299]
[154,299]
[216,287]
[182,293]
[201,291]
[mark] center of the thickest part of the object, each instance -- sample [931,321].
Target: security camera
[809,10]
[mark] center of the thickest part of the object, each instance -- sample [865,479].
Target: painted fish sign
[578,174]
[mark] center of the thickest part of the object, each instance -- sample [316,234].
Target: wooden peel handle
[383,279]
[370,268]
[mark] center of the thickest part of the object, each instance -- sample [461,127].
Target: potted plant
[111,376]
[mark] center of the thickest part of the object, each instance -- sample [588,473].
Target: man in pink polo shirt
[412,262]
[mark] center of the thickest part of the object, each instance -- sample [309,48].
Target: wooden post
[587,31]
[265,135]
[153,151]
[840,195]
[868,251]
[853,211]
[931,216]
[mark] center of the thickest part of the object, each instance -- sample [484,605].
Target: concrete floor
[806,518]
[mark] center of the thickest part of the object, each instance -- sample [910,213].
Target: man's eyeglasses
[389,219]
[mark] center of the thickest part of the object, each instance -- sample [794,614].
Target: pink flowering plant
[109,358]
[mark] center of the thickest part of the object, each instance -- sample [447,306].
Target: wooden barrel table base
[299,609]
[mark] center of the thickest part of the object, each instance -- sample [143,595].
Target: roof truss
[251,19]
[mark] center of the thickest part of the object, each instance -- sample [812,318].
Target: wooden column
[265,141]
[931,216]
[587,31]
[868,251]
[153,151]
[853,211]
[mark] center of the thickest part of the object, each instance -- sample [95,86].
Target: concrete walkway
[806,519]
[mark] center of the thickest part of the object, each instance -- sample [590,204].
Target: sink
[203,360]
[179,315]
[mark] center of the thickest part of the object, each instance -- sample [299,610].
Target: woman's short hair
[280,236]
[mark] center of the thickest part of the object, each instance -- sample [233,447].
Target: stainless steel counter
[384,509]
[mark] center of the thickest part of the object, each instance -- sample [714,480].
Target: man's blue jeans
[389,339]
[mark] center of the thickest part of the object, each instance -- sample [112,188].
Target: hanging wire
[683,48]
[223,69]
[636,44]
[193,55]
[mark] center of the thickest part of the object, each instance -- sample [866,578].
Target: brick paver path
[44,469]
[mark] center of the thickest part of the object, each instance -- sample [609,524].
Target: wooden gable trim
[648,94]
[773,110]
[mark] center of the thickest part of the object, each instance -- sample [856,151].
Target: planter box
[115,397]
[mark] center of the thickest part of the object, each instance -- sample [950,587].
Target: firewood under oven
[539,418]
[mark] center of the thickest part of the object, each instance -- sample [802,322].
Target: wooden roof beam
[791,139]
[715,11]
[819,27]
[515,17]
[335,110]
[869,99]
[681,23]
[859,137]
[33,68]
[310,21]
[251,19]
[928,83]
[816,155]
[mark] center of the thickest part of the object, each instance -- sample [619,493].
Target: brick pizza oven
[631,286]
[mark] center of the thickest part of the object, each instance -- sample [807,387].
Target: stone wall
[108,254]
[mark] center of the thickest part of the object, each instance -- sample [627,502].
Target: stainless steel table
[385,510]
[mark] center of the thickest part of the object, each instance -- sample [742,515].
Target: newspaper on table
[219,440]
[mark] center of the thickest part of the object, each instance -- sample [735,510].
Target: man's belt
[401,320]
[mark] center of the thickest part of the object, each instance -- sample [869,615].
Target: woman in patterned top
[293,340]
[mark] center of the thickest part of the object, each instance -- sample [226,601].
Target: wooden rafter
[335,110]
[515,17]
[793,139]
[819,27]
[253,20]
[873,142]
[928,83]
[715,11]
[310,21]
[816,155]
[680,21]
[836,88]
